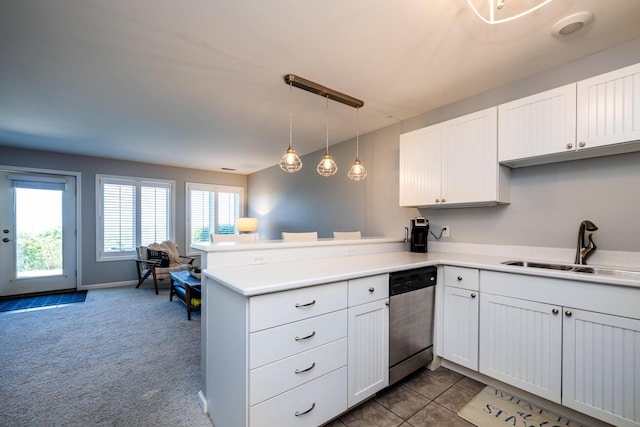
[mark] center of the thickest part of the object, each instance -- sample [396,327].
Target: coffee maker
[419,233]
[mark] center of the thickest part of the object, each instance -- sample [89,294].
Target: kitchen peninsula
[267,362]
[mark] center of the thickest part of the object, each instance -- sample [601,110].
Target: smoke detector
[571,24]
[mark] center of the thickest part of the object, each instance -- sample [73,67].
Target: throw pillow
[159,255]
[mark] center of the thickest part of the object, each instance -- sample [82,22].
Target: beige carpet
[125,357]
[496,408]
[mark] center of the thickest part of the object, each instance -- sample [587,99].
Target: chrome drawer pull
[300,371]
[372,290]
[298,305]
[307,337]
[307,411]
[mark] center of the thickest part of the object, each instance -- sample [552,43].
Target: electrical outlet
[445,231]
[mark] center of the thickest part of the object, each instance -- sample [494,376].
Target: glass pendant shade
[327,166]
[357,171]
[500,11]
[290,162]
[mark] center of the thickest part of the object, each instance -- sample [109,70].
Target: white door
[368,349]
[521,344]
[460,337]
[601,366]
[37,233]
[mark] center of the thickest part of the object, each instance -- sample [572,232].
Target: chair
[147,266]
[299,237]
[238,238]
[347,235]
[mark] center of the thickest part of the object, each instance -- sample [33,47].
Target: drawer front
[315,403]
[277,343]
[285,374]
[461,277]
[267,311]
[368,289]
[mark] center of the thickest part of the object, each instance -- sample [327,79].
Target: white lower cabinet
[368,350]
[368,362]
[309,405]
[460,337]
[521,344]
[601,366]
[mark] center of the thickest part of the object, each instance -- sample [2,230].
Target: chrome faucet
[583,251]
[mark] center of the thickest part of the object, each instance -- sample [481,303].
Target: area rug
[24,303]
[496,408]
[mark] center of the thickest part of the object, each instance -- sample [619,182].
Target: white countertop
[250,280]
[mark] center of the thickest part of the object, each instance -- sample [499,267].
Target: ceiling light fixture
[327,166]
[290,162]
[572,23]
[499,5]
[357,171]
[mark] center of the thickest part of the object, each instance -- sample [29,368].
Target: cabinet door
[460,340]
[544,123]
[609,108]
[601,366]
[420,166]
[470,158]
[368,361]
[521,344]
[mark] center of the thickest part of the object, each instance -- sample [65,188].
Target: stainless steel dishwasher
[411,301]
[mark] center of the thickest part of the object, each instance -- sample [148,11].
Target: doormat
[496,408]
[24,303]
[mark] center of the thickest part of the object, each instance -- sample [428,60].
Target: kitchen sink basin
[598,271]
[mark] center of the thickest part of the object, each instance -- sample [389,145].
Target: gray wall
[548,202]
[113,271]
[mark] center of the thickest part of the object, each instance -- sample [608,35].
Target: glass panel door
[38,228]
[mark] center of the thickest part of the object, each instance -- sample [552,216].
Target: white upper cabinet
[609,108]
[541,124]
[453,163]
[420,166]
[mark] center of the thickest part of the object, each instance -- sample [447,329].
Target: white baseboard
[202,401]
[108,285]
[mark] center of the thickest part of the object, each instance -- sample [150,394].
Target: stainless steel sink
[598,271]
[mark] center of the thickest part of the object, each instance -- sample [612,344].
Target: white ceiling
[199,83]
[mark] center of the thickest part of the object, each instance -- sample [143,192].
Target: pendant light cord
[357,133]
[327,124]
[290,115]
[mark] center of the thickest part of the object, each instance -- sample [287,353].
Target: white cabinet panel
[460,341]
[285,374]
[266,311]
[601,366]
[368,289]
[420,166]
[541,124]
[309,405]
[470,158]
[521,344]
[283,341]
[462,277]
[609,108]
[368,350]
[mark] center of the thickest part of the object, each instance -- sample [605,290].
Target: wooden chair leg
[155,281]
[187,289]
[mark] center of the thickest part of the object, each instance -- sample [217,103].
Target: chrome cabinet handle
[311,335]
[569,146]
[307,411]
[444,200]
[473,295]
[6,240]
[387,303]
[459,278]
[300,371]
[437,200]
[298,305]
[371,290]
[582,144]
[568,313]
[555,311]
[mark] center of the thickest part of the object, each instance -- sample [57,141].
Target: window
[211,209]
[132,212]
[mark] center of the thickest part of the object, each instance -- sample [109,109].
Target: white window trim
[210,188]
[128,255]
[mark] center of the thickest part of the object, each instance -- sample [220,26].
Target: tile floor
[424,398]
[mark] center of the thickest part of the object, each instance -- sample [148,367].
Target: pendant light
[327,166]
[357,171]
[290,162]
